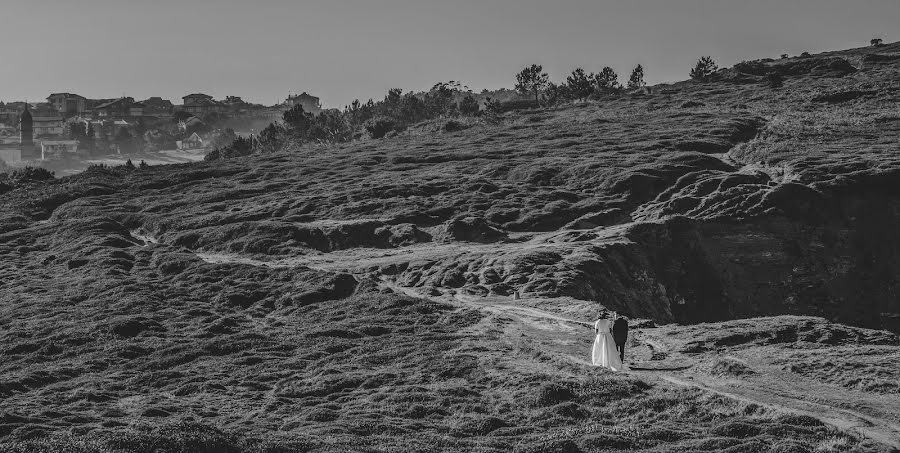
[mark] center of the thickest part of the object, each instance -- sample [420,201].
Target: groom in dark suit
[620,335]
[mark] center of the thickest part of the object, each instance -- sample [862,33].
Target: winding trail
[560,335]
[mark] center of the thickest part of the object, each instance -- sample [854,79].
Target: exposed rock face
[803,253]
[469,229]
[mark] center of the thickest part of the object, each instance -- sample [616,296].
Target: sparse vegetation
[256,304]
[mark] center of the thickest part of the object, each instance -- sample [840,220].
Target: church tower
[26,133]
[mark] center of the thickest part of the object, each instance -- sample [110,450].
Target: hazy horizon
[341,51]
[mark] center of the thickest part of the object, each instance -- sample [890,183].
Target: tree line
[398,110]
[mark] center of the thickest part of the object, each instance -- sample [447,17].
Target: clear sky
[340,50]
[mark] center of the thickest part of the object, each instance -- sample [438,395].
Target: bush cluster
[395,112]
[22,176]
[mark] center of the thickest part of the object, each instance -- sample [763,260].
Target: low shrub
[29,174]
[552,394]
[518,104]
[751,67]
[379,127]
[454,126]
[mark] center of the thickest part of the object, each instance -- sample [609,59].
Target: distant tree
[224,138]
[330,126]
[492,109]
[390,106]
[876,42]
[636,80]
[129,165]
[783,56]
[532,80]
[240,147]
[298,121]
[704,68]
[558,93]
[143,165]
[607,81]
[439,99]
[469,106]
[358,113]
[579,84]
[272,138]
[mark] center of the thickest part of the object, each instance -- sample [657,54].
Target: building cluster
[43,130]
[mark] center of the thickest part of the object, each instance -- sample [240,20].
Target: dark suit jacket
[620,331]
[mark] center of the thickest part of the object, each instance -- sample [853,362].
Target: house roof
[107,104]
[192,121]
[203,102]
[68,95]
[303,95]
[46,119]
[197,95]
[157,101]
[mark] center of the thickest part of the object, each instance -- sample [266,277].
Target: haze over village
[69,130]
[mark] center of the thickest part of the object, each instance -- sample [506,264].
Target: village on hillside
[69,128]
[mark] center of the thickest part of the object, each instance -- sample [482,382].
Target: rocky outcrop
[468,229]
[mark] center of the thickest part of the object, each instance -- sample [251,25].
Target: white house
[192,142]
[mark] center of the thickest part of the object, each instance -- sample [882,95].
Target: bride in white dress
[604,353]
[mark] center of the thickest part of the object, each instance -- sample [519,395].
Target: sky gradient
[341,50]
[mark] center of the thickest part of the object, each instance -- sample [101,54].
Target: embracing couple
[609,343]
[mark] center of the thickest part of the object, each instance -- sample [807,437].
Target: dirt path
[879,430]
[675,369]
[652,357]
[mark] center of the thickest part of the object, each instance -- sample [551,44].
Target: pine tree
[579,84]
[532,79]
[637,78]
[607,81]
[703,69]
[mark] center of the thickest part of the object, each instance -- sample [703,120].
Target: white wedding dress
[604,353]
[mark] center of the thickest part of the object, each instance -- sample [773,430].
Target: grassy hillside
[360,297]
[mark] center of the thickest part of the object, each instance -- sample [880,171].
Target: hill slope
[260,302]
